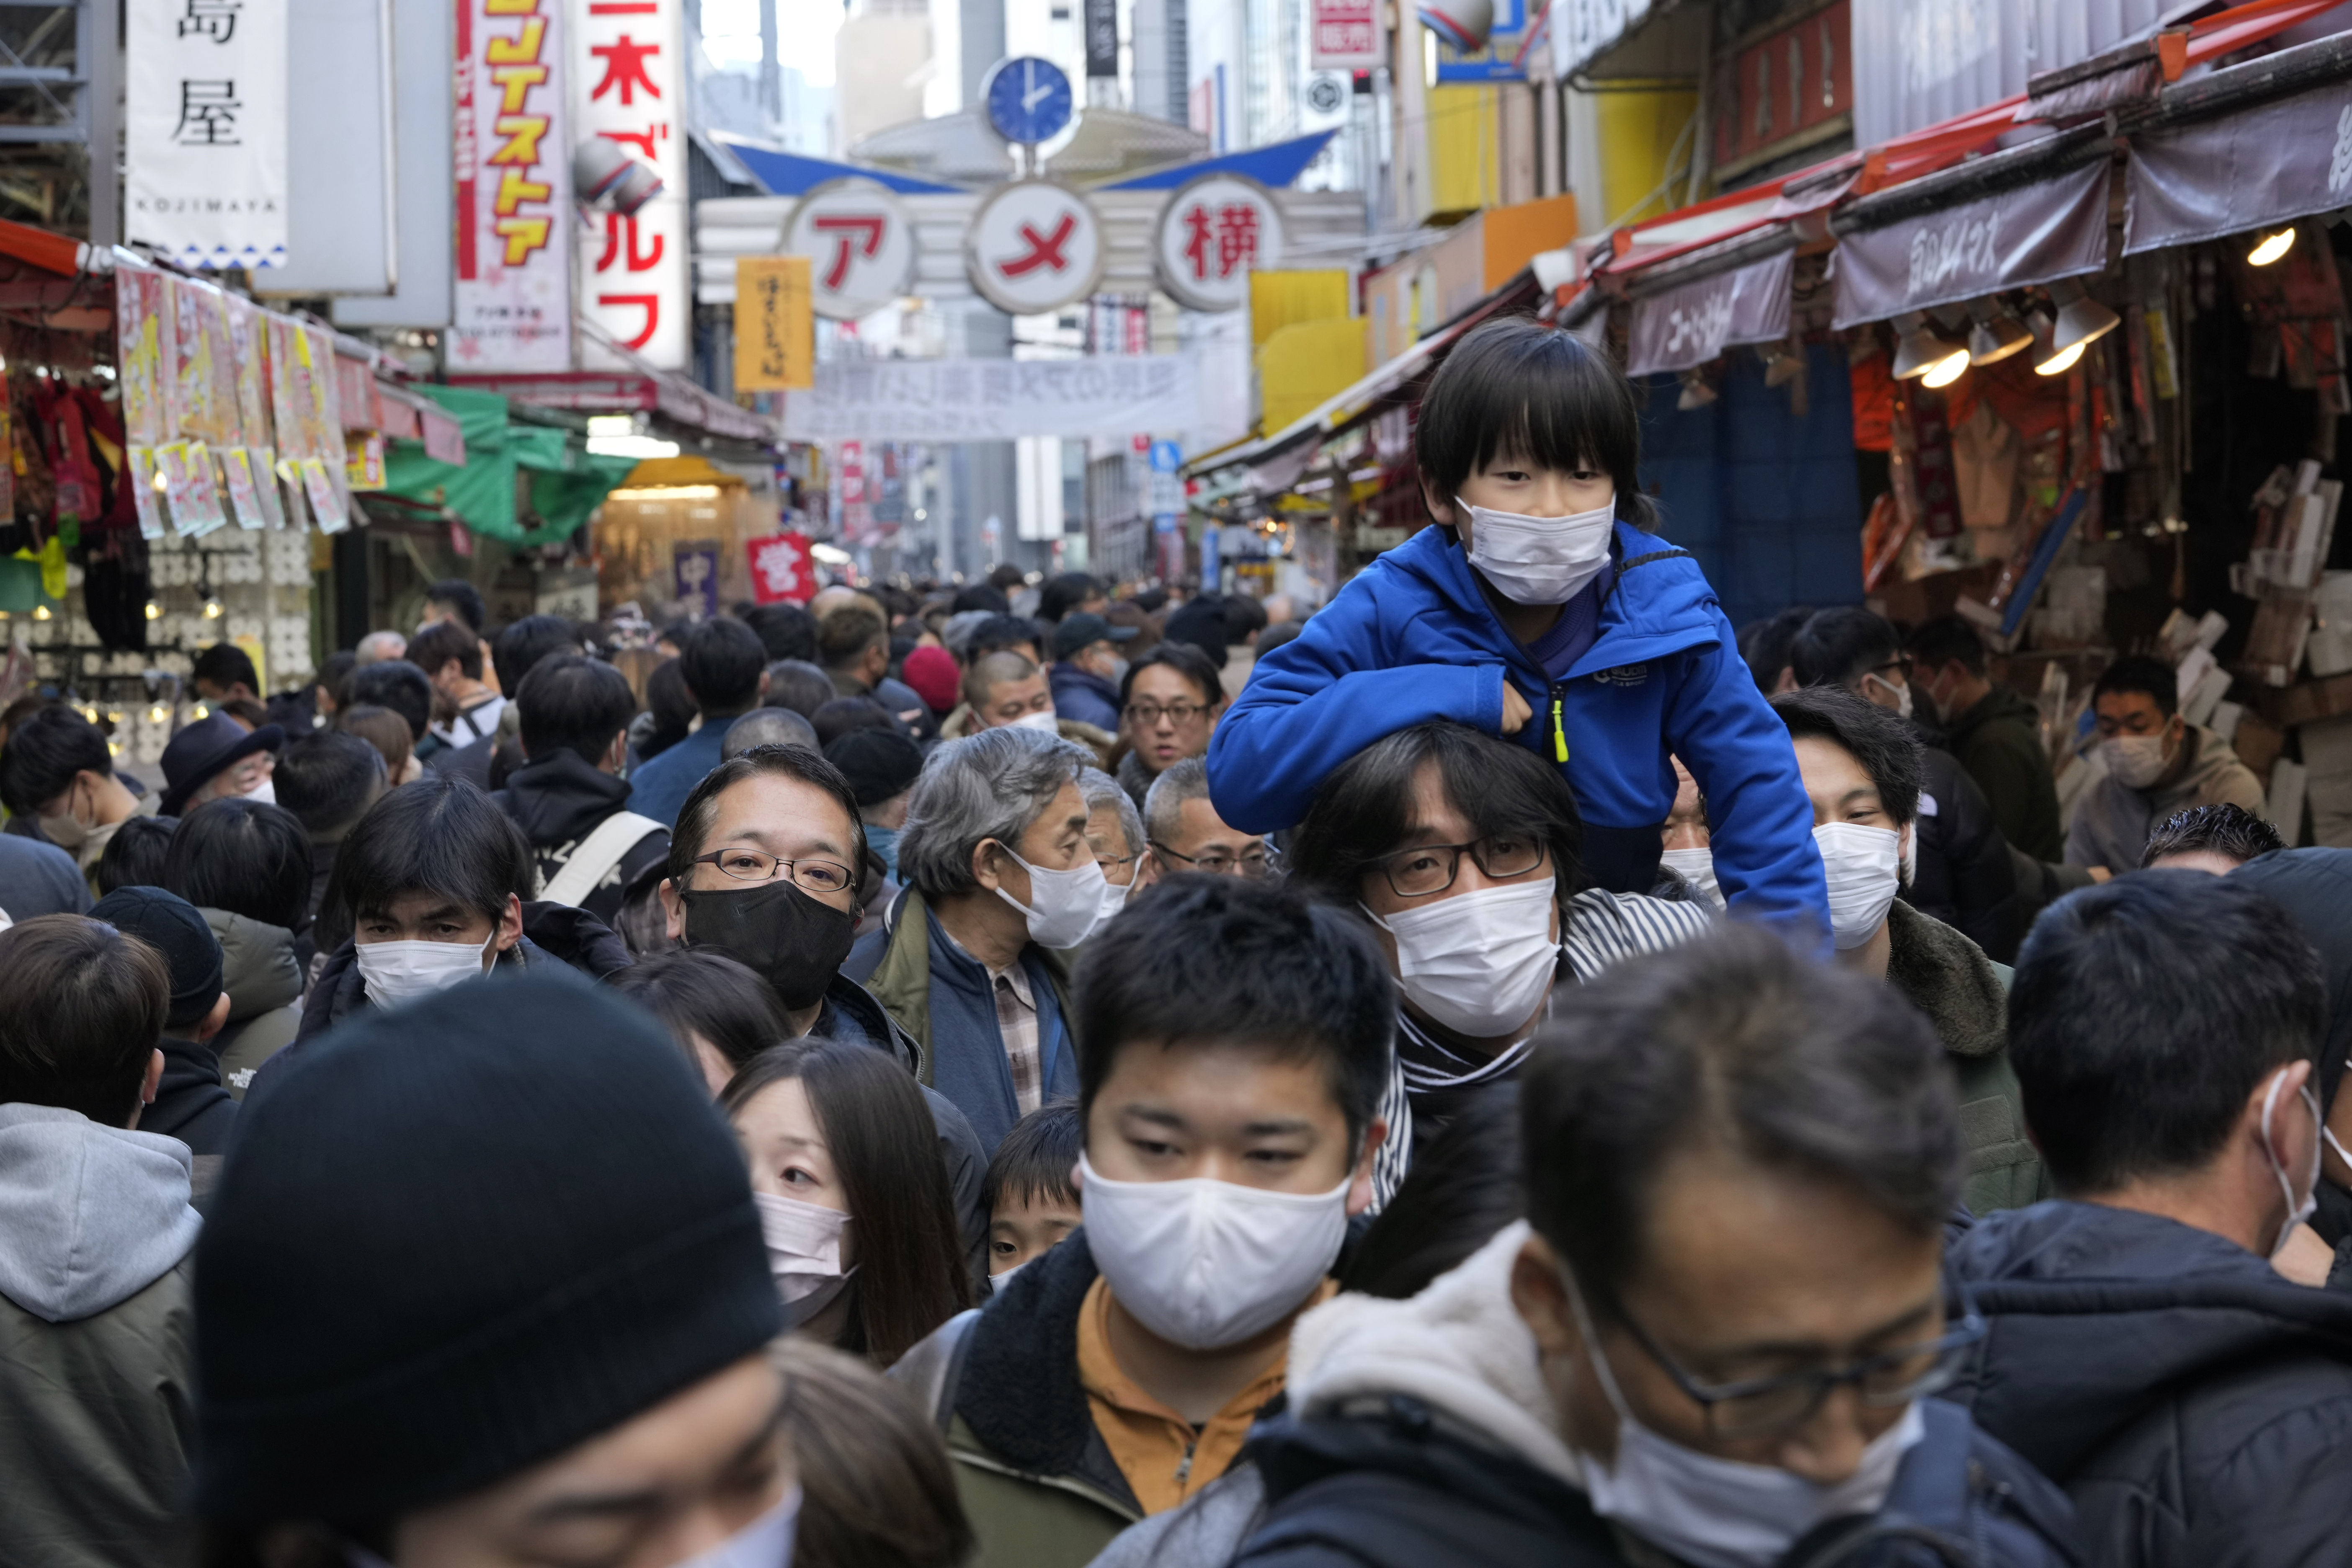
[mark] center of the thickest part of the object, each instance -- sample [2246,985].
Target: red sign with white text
[782,569]
[628,76]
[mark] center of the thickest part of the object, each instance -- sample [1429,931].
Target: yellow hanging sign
[775,325]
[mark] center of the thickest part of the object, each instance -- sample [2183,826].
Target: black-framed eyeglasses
[1249,863]
[1147,715]
[1429,868]
[757,866]
[1758,1407]
[1900,664]
[1115,860]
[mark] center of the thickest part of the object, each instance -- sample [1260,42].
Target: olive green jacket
[1965,995]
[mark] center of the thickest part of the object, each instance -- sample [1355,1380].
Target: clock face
[1028,99]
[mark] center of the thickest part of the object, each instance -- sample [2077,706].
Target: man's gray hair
[988,785]
[1163,807]
[766,726]
[1101,790]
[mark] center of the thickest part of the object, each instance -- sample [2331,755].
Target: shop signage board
[514,293]
[627,85]
[781,568]
[1033,247]
[1583,28]
[1213,234]
[205,131]
[775,330]
[2258,168]
[1102,40]
[1691,325]
[694,565]
[860,244]
[2035,234]
[1109,395]
[1345,34]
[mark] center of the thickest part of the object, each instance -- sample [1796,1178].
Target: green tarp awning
[567,481]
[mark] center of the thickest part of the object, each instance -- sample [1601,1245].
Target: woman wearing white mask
[1721,1327]
[1863,769]
[1463,849]
[852,1195]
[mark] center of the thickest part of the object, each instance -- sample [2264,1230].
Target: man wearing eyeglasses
[1718,1333]
[1184,833]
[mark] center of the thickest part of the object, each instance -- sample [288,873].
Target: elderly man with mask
[1115,829]
[999,879]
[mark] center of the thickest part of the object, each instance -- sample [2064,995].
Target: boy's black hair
[86,1004]
[1881,745]
[399,685]
[1064,593]
[1841,644]
[441,641]
[1519,386]
[334,676]
[1033,1164]
[1944,640]
[463,598]
[244,856]
[44,753]
[1464,1186]
[998,634]
[1186,660]
[135,857]
[520,648]
[1764,645]
[2144,1012]
[670,703]
[982,596]
[442,835]
[722,662]
[574,703]
[786,631]
[1204,959]
[327,778]
[2139,672]
[839,717]
[225,665]
[2222,829]
[1365,808]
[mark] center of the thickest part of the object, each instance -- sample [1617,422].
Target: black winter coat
[2197,1406]
[1963,875]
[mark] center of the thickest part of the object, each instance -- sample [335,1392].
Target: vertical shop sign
[514,189]
[1347,35]
[1102,40]
[775,326]
[781,568]
[628,82]
[205,135]
[694,568]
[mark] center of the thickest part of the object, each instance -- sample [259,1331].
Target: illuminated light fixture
[200,711]
[2271,247]
[666,493]
[1995,333]
[40,612]
[1696,393]
[637,446]
[159,481]
[2082,321]
[155,611]
[1920,354]
[1783,363]
[114,715]
[212,609]
[91,714]
[158,713]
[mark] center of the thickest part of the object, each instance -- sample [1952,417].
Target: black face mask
[790,940]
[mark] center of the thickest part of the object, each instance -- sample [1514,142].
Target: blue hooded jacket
[1411,638]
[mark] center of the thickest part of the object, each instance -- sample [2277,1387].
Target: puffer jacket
[1963,876]
[264,982]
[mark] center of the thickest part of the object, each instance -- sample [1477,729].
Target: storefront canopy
[2258,168]
[2034,234]
[567,481]
[1694,323]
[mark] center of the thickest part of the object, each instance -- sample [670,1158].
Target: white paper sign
[627,77]
[514,190]
[205,130]
[995,400]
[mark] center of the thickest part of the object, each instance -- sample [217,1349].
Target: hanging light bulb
[158,713]
[212,609]
[2081,321]
[199,711]
[1921,355]
[1996,333]
[2271,247]
[155,611]
[40,612]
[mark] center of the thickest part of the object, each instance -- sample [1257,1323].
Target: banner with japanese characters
[628,78]
[205,131]
[775,328]
[995,400]
[513,307]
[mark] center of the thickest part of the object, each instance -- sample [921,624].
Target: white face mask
[1114,899]
[805,1249]
[1003,1276]
[1043,719]
[1117,673]
[1723,1513]
[1203,1263]
[397,972]
[2136,761]
[1069,904]
[1695,867]
[1902,692]
[266,792]
[2297,1210]
[1539,560]
[1479,963]
[1861,865]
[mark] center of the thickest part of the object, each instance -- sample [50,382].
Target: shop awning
[567,481]
[2034,234]
[1692,324]
[2259,167]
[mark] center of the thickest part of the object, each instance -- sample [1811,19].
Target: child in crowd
[1032,1204]
[1539,607]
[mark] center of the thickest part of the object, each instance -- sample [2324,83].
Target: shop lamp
[1783,363]
[155,611]
[1919,352]
[40,612]
[212,609]
[2271,247]
[2082,321]
[1996,333]
[2048,358]
[1695,394]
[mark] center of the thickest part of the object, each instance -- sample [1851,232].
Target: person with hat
[1088,669]
[216,757]
[509,1354]
[931,673]
[880,765]
[191,1103]
[58,769]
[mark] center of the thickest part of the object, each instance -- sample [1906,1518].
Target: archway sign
[860,243]
[1213,233]
[1033,247]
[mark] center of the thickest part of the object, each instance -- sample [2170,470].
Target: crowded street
[1175,784]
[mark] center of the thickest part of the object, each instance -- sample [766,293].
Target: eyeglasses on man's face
[1256,862]
[1427,868]
[758,866]
[1147,715]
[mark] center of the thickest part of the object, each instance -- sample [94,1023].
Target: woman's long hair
[885,1146]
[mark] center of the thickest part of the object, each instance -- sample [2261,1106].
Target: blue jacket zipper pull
[1559,727]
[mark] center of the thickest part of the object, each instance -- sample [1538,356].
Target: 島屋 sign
[205,130]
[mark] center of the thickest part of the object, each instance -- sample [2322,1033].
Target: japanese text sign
[1347,35]
[780,569]
[1691,325]
[628,80]
[860,244]
[1213,233]
[204,134]
[1110,395]
[2034,234]
[775,330]
[695,566]
[1035,247]
[513,310]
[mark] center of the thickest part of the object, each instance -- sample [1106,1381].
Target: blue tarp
[792,174]
[1767,501]
[1273,167]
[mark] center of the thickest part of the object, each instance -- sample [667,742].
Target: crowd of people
[1501,1067]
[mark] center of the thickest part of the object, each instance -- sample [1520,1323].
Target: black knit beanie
[458,1239]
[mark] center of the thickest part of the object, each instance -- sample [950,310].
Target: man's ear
[673,911]
[510,924]
[150,1086]
[1360,1186]
[1539,1295]
[987,865]
[1440,508]
[212,1022]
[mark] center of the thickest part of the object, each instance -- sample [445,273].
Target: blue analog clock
[1028,99]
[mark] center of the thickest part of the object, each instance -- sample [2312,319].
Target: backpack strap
[595,855]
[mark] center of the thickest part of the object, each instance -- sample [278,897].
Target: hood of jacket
[89,1215]
[1020,1391]
[258,969]
[2212,758]
[2095,1315]
[571,934]
[1663,608]
[2001,702]
[562,798]
[1459,1348]
[1947,977]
